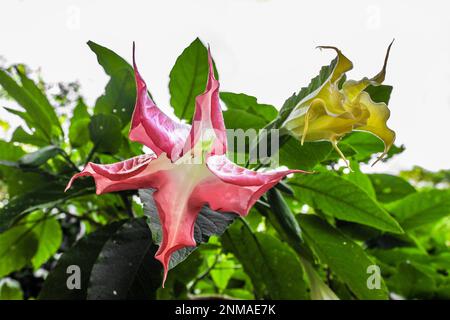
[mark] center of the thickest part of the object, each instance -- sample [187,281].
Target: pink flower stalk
[189,167]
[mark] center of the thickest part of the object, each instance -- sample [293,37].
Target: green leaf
[21,136]
[412,282]
[381,93]
[421,208]
[10,290]
[365,145]
[295,156]
[360,179]
[36,114]
[188,79]
[105,132]
[40,157]
[389,188]
[84,254]
[273,267]
[284,217]
[46,195]
[244,112]
[79,125]
[120,92]
[343,200]
[40,97]
[344,257]
[18,245]
[79,132]
[315,84]
[126,267]
[49,235]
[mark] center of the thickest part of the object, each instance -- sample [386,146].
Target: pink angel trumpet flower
[189,167]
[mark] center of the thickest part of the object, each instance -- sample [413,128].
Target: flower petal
[208,119]
[134,173]
[236,188]
[376,123]
[153,128]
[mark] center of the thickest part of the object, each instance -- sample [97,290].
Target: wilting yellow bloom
[332,111]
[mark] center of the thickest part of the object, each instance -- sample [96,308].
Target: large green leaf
[421,208]
[126,267]
[244,112]
[188,79]
[273,267]
[84,254]
[120,92]
[18,245]
[49,235]
[344,257]
[105,132]
[389,188]
[342,199]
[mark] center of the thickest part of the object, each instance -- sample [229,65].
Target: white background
[262,48]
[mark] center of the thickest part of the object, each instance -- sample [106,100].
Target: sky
[264,48]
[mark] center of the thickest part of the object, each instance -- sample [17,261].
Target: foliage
[312,236]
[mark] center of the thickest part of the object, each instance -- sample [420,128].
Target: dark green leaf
[38,158]
[126,267]
[21,136]
[381,93]
[284,217]
[84,254]
[343,200]
[120,93]
[345,258]
[105,132]
[273,267]
[46,195]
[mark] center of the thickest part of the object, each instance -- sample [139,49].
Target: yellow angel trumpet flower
[333,110]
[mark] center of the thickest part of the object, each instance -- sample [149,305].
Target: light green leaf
[343,200]
[344,257]
[389,188]
[421,208]
[49,235]
[10,290]
[17,246]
